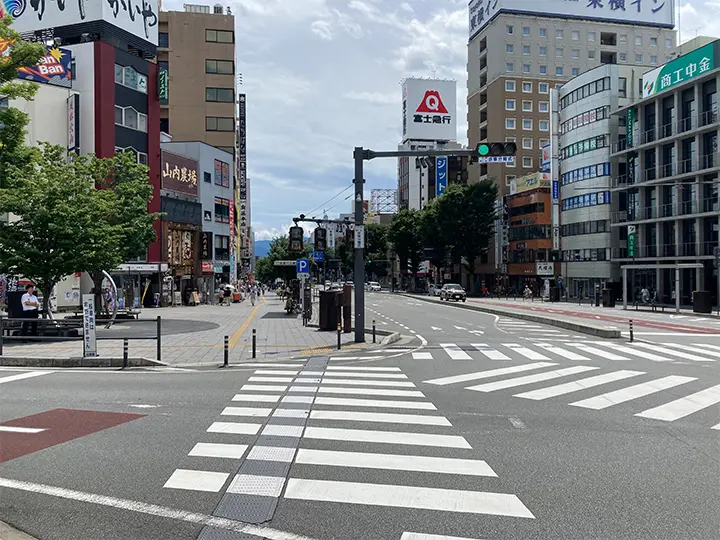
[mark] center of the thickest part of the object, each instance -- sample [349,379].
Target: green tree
[466,216]
[431,234]
[376,250]
[279,251]
[404,234]
[58,219]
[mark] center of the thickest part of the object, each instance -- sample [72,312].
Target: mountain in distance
[262,247]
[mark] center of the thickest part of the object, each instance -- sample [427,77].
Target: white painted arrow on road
[436,328]
[460,328]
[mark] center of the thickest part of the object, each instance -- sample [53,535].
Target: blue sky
[323,76]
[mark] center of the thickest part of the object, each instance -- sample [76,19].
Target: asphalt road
[574,439]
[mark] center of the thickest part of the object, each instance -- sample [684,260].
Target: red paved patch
[59,425]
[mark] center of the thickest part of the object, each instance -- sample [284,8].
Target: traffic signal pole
[359,273]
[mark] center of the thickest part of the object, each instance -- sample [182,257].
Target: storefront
[181,241]
[139,284]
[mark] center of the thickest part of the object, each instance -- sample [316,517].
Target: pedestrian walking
[227,295]
[252,294]
[31,310]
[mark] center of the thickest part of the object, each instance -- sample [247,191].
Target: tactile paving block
[247,508]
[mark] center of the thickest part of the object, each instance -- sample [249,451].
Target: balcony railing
[683,125]
[665,250]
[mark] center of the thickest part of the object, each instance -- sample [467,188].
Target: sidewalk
[194,336]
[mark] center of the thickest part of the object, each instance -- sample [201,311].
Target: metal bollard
[226,352]
[2,331]
[126,350]
[158,353]
[632,337]
[254,344]
[373,330]
[339,335]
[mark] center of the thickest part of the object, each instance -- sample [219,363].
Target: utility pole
[359,279]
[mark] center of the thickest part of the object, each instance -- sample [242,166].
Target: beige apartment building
[197,48]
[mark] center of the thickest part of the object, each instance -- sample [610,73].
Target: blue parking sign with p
[302,266]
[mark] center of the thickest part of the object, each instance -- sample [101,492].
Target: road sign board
[318,256]
[359,236]
[631,241]
[495,159]
[302,266]
[285,263]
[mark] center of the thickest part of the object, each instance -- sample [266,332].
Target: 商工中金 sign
[687,67]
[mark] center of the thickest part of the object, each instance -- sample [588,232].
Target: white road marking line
[455,352]
[576,386]
[448,500]
[667,351]
[151,509]
[291,413]
[245,411]
[298,399]
[361,368]
[283,431]
[394,462]
[436,328]
[17,429]
[604,401]
[561,352]
[308,380]
[196,480]
[421,536]
[312,389]
[377,403]
[694,349]
[217,450]
[422,356]
[530,379]
[371,392]
[262,388]
[488,351]
[460,328]
[344,358]
[386,437]
[272,453]
[329,376]
[271,379]
[524,351]
[709,346]
[265,398]
[21,376]
[275,372]
[598,352]
[250,484]
[684,406]
[390,418]
[487,374]
[236,428]
[297,364]
[716,427]
[632,351]
[372,382]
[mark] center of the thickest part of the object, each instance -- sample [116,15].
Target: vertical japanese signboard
[632,241]
[89,336]
[244,217]
[441,175]
[73,123]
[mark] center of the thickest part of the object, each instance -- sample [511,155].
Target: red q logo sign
[432,103]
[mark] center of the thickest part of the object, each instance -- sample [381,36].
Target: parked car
[434,290]
[452,291]
[373,286]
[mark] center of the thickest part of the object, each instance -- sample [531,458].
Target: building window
[559,71]
[509,86]
[622,39]
[591,54]
[509,104]
[653,59]
[544,125]
[163,40]
[653,42]
[510,29]
[527,143]
[576,54]
[638,41]
[130,118]
[219,36]
[544,106]
[215,123]
[526,68]
[591,36]
[510,67]
[222,244]
[128,77]
[509,48]
[509,178]
[668,43]
[639,58]
[543,142]
[576,35]
[526,31]
[543,69]
[511,139]
[223,95]
[221,67]
[544,88]
[558,52]
[509,123]
[542,32]
[622,57]
[527,162]
[526,50]
[527,87]
[543,51]
[207,177]
[140,157]
[165,125]
[559,34]
[222,210]
[527,106]
[527,124]
[575,72]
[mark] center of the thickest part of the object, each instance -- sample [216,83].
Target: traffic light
[320,239]
[296,238]
[496,149]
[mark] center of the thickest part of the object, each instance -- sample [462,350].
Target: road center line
[20,376]
[152,510]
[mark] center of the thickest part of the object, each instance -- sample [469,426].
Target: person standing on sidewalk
[31,310]
[252,294]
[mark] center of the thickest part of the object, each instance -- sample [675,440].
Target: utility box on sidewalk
[329,310]
[347,308]
[702,302]
[608,300]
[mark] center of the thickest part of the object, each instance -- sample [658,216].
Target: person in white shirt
[31,310]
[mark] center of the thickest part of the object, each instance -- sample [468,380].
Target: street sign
[302,266]
[285,263]
[631,241]
[441,175]
[89,336]
[359,236]
[495,159]
[318,256]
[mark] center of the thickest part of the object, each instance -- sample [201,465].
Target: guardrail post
[339,336]
[226,351]
[632,337]
[158,353]
[373,330]
[126,347]
[254,343]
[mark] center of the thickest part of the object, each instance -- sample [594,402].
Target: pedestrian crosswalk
[527,379]
[367,417]
[581,351]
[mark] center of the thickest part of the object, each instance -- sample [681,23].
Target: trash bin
[328,310]
[608,300]
[702,302]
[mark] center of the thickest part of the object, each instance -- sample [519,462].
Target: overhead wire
[329,200]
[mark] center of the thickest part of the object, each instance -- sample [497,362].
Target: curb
[597,331]
[78,362]
[392,338]
[367,330]
[11,533]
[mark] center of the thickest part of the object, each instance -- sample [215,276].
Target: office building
[665,164]
[519,50]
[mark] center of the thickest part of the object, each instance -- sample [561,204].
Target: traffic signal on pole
[296,238]
[320,239]
[496,149]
